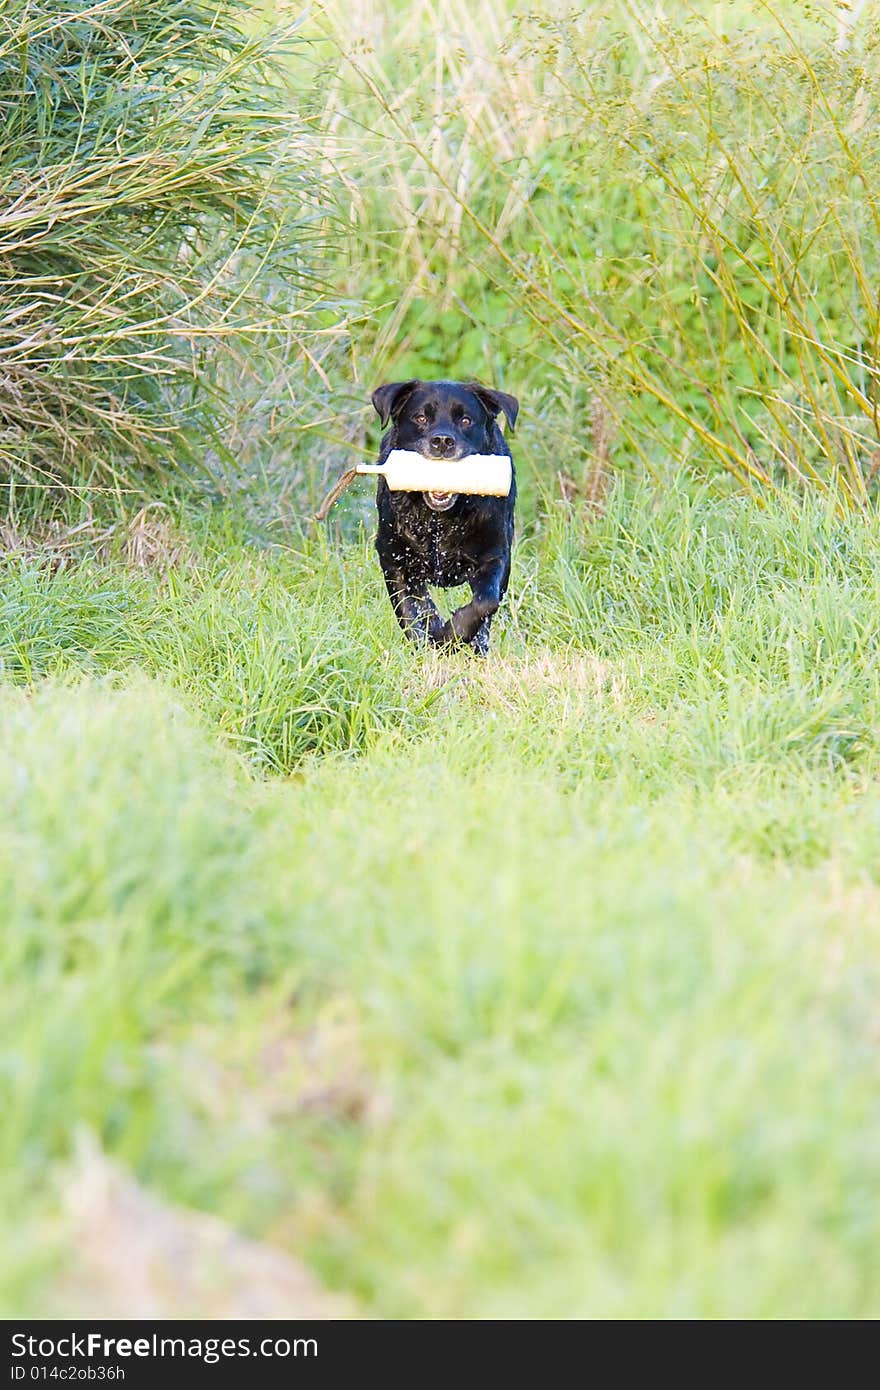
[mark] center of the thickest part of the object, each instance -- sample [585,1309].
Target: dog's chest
[437,541]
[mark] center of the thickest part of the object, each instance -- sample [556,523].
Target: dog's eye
[421,419]
[466,420]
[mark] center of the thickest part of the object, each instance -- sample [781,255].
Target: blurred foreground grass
[538,987]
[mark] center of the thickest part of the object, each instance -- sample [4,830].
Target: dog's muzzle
[440,501]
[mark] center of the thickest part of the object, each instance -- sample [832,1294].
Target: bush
[156,197]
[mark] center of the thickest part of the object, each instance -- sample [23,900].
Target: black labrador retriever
[441,538]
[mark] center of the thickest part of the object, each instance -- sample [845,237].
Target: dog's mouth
[440,501]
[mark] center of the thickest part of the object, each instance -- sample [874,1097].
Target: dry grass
[131,1255]
[268,1069]
[151,539]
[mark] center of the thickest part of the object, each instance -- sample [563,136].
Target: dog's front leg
[413,608]
[471,622]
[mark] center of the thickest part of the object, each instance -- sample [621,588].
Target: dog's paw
[439,631]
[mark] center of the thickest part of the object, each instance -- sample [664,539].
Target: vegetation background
[339,977]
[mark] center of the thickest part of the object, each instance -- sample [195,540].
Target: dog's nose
[441,444]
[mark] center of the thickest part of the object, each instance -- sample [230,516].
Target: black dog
[441,538]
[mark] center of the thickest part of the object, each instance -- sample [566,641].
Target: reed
[155,205]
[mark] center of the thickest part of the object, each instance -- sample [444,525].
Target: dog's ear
[388,399]
[496,401]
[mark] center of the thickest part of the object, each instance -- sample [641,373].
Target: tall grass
[763,625]
[155,210]
[671,208]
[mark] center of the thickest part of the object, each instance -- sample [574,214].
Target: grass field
[342,977]
[544,986]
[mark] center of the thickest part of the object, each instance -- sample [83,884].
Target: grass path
[545,986]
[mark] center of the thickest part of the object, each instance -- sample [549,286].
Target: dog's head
[443,420]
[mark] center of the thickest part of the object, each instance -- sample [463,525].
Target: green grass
[537,987]
[668,211]
[572,955]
